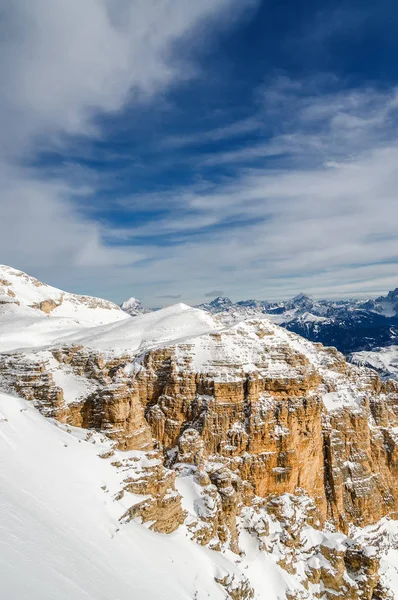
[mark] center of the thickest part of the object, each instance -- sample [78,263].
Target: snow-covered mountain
[384,305]
[133,307]
[279,312]
[185,455]
[349,325]
[384,360]
[37,298]
[33,313]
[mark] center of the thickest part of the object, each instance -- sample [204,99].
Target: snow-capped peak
[221,301]
[130,302]
[29,292]
[133,307]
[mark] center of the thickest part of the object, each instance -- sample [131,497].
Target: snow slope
[166,326]
[60,531]
[24,325]
[29,292]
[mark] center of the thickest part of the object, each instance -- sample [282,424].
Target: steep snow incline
[60,534]
[166,326]
[29,292]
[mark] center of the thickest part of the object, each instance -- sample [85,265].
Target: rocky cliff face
[276,436]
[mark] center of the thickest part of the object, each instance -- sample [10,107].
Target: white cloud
[231,130]
[62,63]
[322,220]
[317,224]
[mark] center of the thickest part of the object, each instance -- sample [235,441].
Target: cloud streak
[63,65]
[322,222]
[300,195]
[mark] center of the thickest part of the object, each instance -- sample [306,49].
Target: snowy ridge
[227,353]
[34,314]
[18,287]
[165,326]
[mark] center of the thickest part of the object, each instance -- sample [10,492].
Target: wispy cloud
[322,221]
[213,293]
[62,65]
[232,130]
[169,296]
[315,116]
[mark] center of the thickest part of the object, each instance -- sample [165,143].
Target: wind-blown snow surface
[60,531]
[166,326]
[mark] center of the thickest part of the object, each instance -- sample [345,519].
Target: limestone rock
[275,435]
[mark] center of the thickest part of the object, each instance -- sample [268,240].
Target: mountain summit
[20,289]
[133,307]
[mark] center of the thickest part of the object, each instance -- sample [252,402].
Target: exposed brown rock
[163,507]
[248,439]
[274,433]
[47,306]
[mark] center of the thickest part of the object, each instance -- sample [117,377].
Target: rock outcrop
[275,435]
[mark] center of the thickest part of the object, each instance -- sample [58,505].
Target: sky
[176,150]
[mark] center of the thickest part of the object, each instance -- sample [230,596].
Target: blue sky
[169,149]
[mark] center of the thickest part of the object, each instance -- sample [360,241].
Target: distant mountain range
[351,326]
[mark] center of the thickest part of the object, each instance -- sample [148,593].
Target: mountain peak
[301,297]
[393,293]
[221,301]
[133,307]
[29,294]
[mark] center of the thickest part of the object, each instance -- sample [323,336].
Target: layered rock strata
[249,415]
